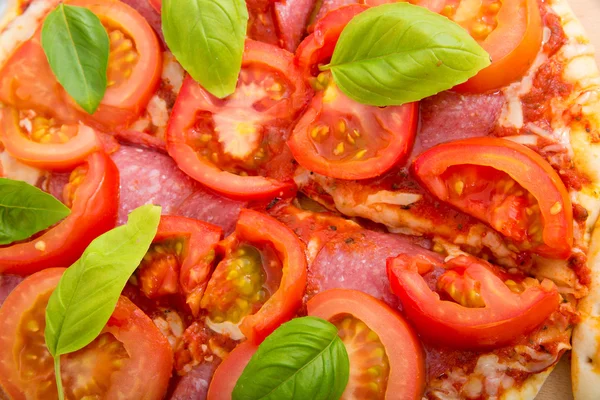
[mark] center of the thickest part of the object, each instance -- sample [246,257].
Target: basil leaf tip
[399,53]
[303,359]
[88,290]
[26,210]
[77,48]
[207,38]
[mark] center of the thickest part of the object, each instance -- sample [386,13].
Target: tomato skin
[58,157]
[27,82]
[193,98]
[407,366]
[201,239]
[145,375]
[94,212]
[504,318]
[230,370]
[523,165]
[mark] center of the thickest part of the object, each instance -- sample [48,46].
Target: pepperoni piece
[194,385]
[450,116]
[150,177]
[208,206]
[357,260]
[7,284]
[292,17]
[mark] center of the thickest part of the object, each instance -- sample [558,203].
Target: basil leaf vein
[26,210]
[207,38]
[88,291]
[303,359]
[77,47]
[399,53]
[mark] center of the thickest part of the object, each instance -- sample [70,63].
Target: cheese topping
[15,169]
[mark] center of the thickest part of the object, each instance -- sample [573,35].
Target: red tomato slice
[510,31]
[46,146]
[337,136]
[230,370]
[474,305]
[92,194]
[236,146]
[135,64]
[131,358]
[179,259]
[379,342]
[505,184]
[260,282]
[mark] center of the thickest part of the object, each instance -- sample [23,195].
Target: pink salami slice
[451,116]
[292,17]
[210,207]
[194,385]
[150,177]
[356,260]
[7,284]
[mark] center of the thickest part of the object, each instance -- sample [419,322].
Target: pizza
[297,199]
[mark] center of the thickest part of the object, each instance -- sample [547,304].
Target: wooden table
[558,385]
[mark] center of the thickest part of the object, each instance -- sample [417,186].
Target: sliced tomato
[467,303]
[509,30]
[92,195]
[179,259]
[505,184]
[229,371]
[129,359]
[135,64]
[337,136]
[386,358]
[46,145]
[236,146]
[260,281]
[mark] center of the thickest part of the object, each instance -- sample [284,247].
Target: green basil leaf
[77,47]
[303,359]
[398,53]
[88,291]
[25,210]
[207,38]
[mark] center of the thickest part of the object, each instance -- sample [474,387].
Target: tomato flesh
[135,64]
[229,371]
[242,283]
[386,358]
[510,31]
[337,136]
[261,279]
[236,145]
[46,144]
[467,303]
[116,363]
[179,260]
[92,193]
[507,185]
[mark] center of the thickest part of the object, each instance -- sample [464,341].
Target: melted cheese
[14,169]
[394,198]
[226,328]
[22,27]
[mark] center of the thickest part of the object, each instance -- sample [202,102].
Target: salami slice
[7,284]
[147,11]
[292,17]
[194,385]
[210,207]
[150,177]
[451,116]
[356,260]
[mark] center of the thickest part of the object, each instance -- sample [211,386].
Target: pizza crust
[582,71]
